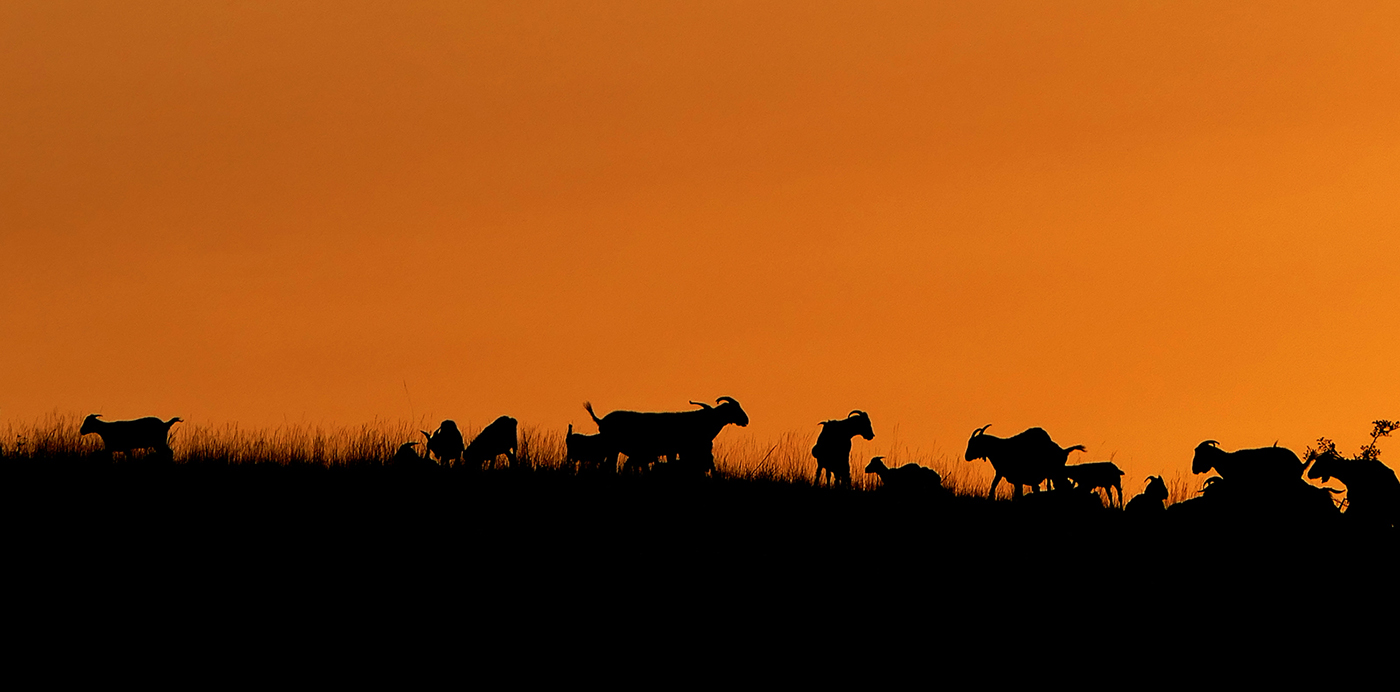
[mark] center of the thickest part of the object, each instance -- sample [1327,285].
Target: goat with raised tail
[130,435]
[680,436]
[1026,458]
[833,448]
[1260,468]
[585,450]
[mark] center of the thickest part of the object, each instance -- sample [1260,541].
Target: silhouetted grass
[738,457]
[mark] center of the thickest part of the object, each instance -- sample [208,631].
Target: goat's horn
[981,430]
[1212,443]
[854,411]
[701,404]
[729,399]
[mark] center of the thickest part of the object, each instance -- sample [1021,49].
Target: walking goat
[1027,458]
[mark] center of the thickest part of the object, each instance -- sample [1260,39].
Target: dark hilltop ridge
[648,504]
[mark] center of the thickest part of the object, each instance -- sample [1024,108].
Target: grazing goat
[129,435]
[494,440]
[1095,475]
[1266,466]
[1152,500]
[585,450]
[685,435]
[833,448]
[445,443]
[407,457]
[1373,492]
[906,478]
[1027,458]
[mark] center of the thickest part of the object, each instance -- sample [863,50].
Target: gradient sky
[1137,225]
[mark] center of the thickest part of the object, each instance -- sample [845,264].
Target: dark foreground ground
[623,563]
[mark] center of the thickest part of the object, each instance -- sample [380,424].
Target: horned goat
[906,478]
[1027,458]
[1151,500]
[1265,466]
[833,448]
[687,436]
[130,435]
[1095,475]
[1373,492]
[445,443]
[497,438]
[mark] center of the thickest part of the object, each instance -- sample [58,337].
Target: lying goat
[1152,499]
[906,478]
[129,435]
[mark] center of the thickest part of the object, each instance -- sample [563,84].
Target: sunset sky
[1137,225]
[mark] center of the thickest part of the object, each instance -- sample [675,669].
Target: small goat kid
[585,450]
[1095,475]
[1152,499]
[130,435]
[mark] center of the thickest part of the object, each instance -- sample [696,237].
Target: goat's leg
[992,494]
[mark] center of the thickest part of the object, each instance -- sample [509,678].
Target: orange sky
[1136,225]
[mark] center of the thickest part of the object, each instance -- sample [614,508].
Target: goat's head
[861,420]
[1156,488]
[1323,465]
[978,445]
[730,411]
[447,426]
[1207,454]
[90,424]
[876,465]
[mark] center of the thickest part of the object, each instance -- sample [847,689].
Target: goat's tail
[1080,448]
[173,421]
[588,406]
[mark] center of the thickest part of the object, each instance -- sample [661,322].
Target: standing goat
[1256,468]
[833,448]
[1095,475]
[688,436]
[445,443]
[1027,458]
[130,435]
[494,440]
[584,450]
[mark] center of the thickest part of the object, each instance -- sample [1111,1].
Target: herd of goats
[1269,478]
